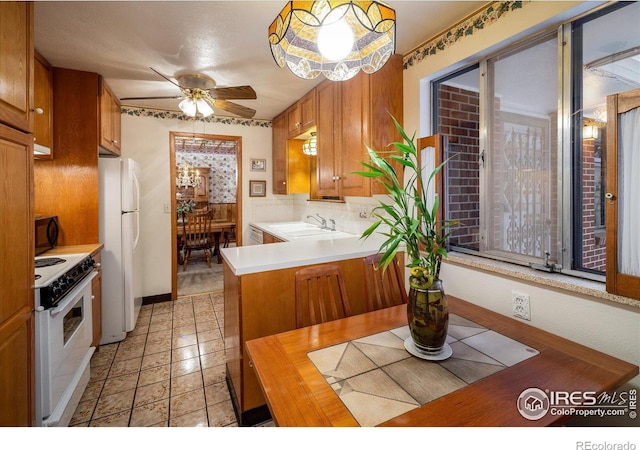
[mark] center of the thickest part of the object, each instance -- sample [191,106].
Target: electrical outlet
[521,305]
[364,213]
[167,208]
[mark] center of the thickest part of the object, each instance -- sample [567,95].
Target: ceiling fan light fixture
[204,107]
[297,38]
[188,106]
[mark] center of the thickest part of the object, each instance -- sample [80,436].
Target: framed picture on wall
[257,188]
[258,165]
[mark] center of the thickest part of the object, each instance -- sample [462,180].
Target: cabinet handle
[284,182]
[115,141]
[37,110]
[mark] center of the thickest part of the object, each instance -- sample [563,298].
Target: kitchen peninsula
[259,298]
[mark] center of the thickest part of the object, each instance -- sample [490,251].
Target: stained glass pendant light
[334,38]
[309,147]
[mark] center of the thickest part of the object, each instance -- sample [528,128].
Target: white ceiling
[226,40]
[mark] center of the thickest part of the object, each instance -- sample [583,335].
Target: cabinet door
[116,124]
[293,121]
[16,69]
[279,154]
[109,120]
[307,108]
[16,280]
[43,99]
[327,136]
[106,115]
[354,114]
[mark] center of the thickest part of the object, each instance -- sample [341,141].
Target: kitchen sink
[292,227]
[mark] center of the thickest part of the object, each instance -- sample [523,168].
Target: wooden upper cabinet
[328,135]
[351,115]
[110,120]
[42,100]
[16,68]
[301,116]
[279,154]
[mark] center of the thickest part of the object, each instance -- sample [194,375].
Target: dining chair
[229,234]
[321,295]
[196,236]
[384,288]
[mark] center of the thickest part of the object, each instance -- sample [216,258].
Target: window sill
[556,280]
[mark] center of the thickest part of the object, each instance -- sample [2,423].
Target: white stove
[64,334]
[56,275]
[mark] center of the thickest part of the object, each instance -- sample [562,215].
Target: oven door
[63,353]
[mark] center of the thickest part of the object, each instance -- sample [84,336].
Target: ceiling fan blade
[234,108]
[165,77]
[234,92]
[150,98]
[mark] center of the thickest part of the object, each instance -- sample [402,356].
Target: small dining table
[309,376]
[216,229]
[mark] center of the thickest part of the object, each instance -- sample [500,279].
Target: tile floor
[168,372]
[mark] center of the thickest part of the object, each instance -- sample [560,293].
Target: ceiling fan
[200,95]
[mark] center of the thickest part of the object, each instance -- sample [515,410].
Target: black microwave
[47,230]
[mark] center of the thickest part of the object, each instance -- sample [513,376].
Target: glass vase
[428,317]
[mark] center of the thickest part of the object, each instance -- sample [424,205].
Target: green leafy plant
[407,217]
[185,206]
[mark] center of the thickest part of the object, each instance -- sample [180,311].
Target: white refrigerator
[120,234]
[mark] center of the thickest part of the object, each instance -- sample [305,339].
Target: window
[529,179]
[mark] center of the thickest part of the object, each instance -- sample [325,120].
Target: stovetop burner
[46,262]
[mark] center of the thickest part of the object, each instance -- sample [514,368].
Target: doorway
[213,155]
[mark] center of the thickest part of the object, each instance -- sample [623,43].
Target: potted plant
[411,223]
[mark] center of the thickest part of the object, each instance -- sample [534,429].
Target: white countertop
[299,252]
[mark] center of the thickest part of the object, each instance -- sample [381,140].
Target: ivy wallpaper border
[467,27]
[174,115]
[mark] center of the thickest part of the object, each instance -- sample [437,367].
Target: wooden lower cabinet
[253,308]
[17,352]
[270,239]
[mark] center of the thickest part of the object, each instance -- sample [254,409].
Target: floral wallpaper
[222,173]
[162,114]
[467,27]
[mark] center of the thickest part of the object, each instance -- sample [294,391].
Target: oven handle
[71,295]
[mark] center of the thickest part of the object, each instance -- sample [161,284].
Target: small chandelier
[197,101]
[309,147]
[187,176]
[333,38]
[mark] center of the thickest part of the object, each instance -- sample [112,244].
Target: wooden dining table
[299,394]
[216,229]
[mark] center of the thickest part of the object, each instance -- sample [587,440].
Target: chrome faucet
[322,221]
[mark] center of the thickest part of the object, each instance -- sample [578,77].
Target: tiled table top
[377,379]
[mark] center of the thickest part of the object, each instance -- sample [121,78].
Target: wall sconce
[333,38]
[590,132]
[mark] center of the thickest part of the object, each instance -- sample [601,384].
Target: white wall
[146,139]
[605,326]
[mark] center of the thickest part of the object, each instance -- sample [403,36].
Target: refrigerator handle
[135,241]
[136,186]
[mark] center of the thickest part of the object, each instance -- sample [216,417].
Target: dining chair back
[384,288]
[321,295]
[197,236]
